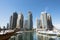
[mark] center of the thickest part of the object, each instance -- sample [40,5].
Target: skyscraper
[20,21]
[49,22]
[11,22]
[44,20]
[14,20]
[30,20]
[38,23]
[41,24]
[8,26]
[26,24]
[49,18]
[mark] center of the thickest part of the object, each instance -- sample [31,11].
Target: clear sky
[7,7]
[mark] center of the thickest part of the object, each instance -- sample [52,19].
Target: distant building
[13,20]
[38,23]
[30,20]
[8,26]
[4,28]
[0,28]
[25,24]
[20,21]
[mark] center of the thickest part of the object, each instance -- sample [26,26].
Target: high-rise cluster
[45,21]
[17,21]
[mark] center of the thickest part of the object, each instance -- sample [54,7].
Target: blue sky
[7,7]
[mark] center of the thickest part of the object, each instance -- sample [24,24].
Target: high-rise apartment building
[20,21]
[49,22]
[44,20]
[14,20]
[30,20]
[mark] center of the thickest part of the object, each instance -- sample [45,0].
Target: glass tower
[30,20]
[14,20]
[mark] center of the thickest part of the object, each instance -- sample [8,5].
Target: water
[31,36]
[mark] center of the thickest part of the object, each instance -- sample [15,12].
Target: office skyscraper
[14,20]
[20,21]
[30,20]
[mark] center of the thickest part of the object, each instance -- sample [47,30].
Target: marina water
[31,36]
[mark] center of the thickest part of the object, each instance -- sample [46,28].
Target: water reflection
[28,36]
[51,39]
[19,37]
[24,36]
[39,37]
[31,36]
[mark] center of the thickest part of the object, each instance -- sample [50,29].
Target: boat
[49,33]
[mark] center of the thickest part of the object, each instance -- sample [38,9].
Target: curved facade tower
[20,21]
[44,20]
